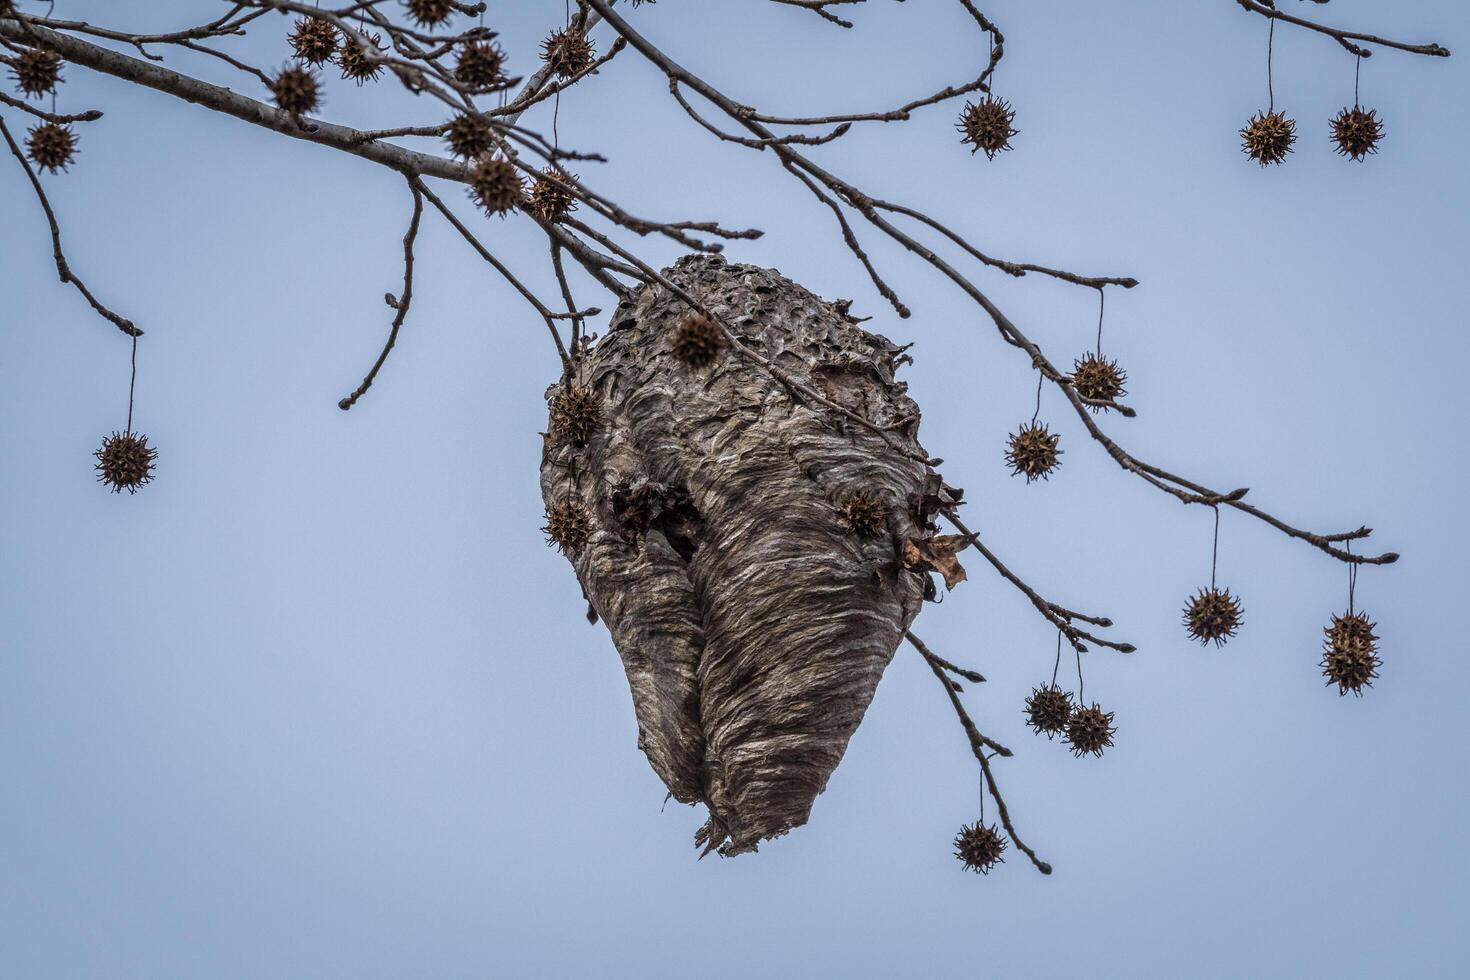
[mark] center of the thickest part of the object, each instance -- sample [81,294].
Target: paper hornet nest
[756,556]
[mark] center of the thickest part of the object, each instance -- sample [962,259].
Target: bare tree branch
[400,303]
[63,268]
[1267,8]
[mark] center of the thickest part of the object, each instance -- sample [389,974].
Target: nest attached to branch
[748,549]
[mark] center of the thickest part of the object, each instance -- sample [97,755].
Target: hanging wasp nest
[1356,132]
[753,599]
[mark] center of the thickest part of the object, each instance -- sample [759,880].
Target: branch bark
[231,103]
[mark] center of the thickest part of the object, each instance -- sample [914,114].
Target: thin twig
[63,268]
[973,676]
[978,744]
[399,303]
[1345,37]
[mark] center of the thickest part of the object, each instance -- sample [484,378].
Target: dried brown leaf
[937,554]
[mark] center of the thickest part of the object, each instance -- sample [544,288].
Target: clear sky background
[320,702]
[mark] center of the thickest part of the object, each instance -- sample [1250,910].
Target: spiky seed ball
[568,525]
[986,125]
[575,414]
[36,71]
[296,90]
[125,462]
[1350,659]
[567,52]
[1357,132]
[495,185]
[481,66]
[314,40]
[430,13]
[1099,379]
[865,514]
[469,136]
[549,200]
[1350,671]
[1090,730]
[1352,631]
[1267,138]
[51,146]
[979,847]
[1213,616]
[357,62]
[697,340]
[1033,451]
[1049,709]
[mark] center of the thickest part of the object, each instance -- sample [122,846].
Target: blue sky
[320,702]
